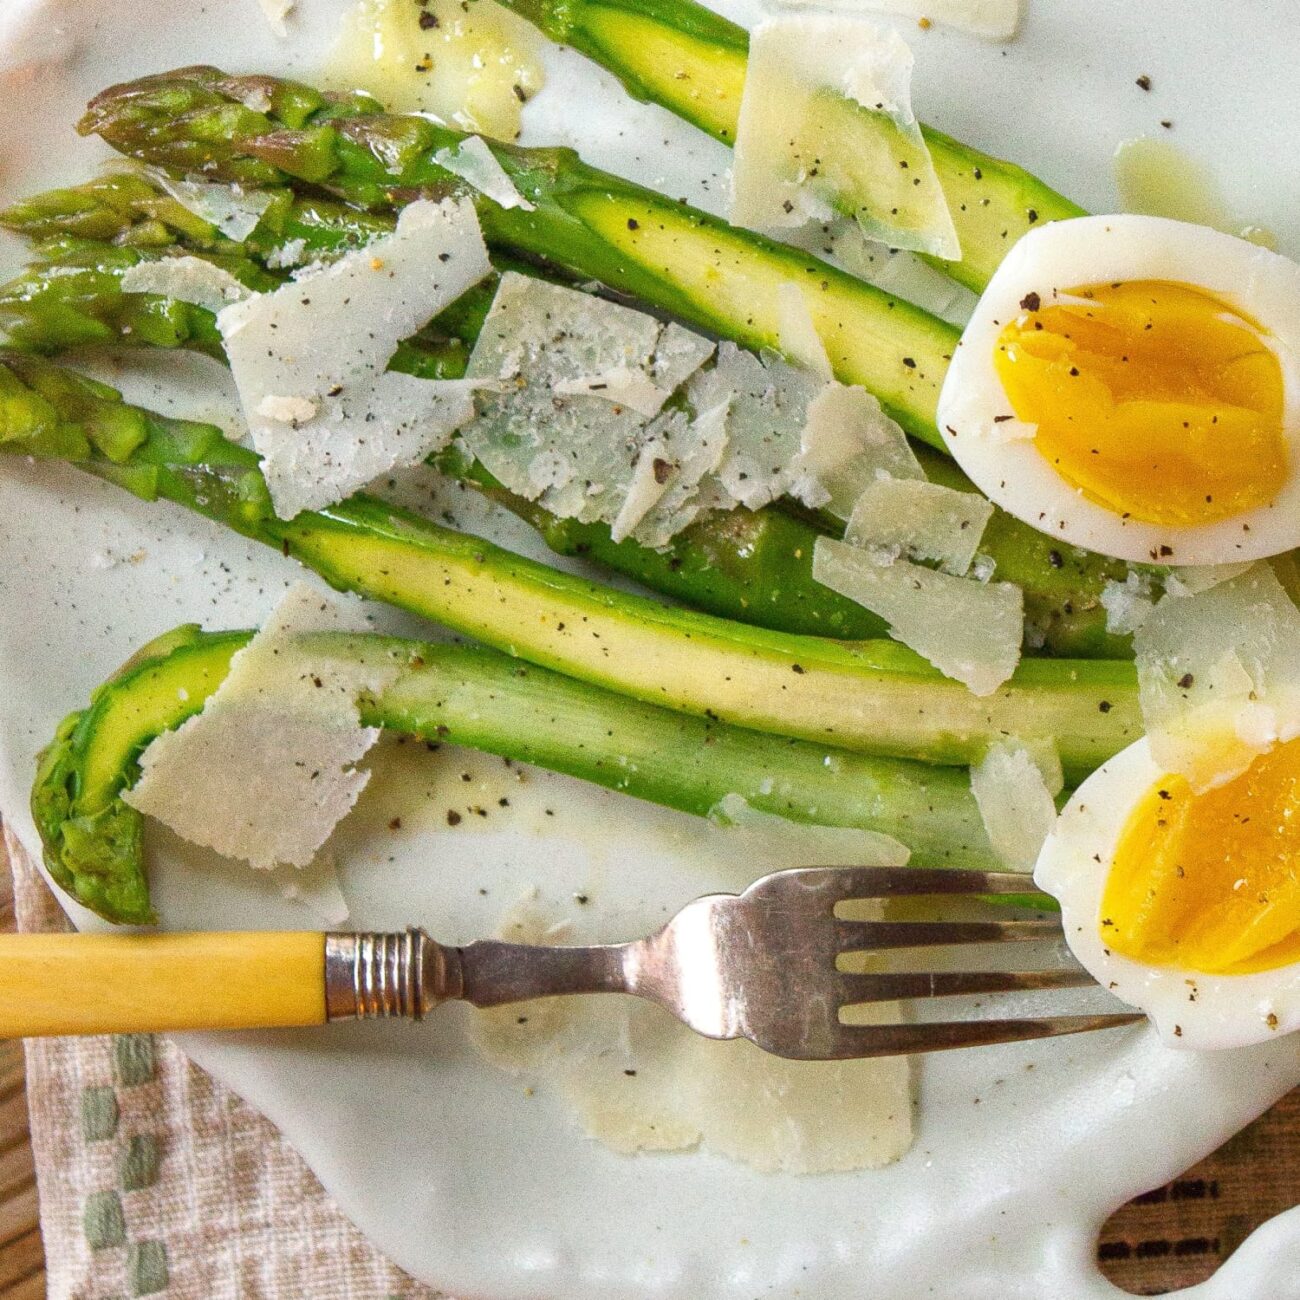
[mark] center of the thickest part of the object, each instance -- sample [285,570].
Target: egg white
[999,454]
[1190,1009]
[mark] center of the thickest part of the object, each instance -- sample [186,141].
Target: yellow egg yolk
[1159,401]
[1211,882]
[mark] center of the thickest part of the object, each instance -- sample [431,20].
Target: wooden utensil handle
[130,983]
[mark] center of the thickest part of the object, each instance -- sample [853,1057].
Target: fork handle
[133,983]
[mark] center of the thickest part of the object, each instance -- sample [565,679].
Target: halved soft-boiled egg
[1186,905]
[1131,385]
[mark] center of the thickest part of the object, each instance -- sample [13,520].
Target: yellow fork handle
[128,983]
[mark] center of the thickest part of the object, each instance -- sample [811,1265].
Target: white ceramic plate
[446,1164]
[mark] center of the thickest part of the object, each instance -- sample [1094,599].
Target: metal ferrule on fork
[377,976]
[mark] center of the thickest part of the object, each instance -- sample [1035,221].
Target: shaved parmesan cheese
[848,442]
[797,332]
[767,405]
[268,768]
[645,489]
[1190,580]
[234,210]
[782,841]
[693,449]
[621,386]
[968,630]
[826,126]
[576,379]
[678,355]
[275,12]
[920,521]
[476,164]
[1128,604]
[637,1080]
[996,20]
[1047,759]
[1219,676]
[1015,803]
[186,279]
[317,888]
[325,338]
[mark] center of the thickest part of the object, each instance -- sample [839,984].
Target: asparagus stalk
[680,55]
[867,696]
[487,701]
[74,297]
[756,568]
[588,222]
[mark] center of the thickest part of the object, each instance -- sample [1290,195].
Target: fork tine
[893,986]
[898,882]
[853,1042]
[857,936]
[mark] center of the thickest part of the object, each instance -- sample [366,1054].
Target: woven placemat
[156,1180]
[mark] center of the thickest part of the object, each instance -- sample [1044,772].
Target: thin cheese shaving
[919,521]
[282,727]
[767,403]
[621,386]
[826,126]
[1015,803]
[186,279]
[970,631]
[477,165]
[848,442]
[645,489]
[325,339]
[1219,676]
[575,379]
[1190,580]
[996,20]
[275,12]
[637,1080]
[693,449]
[234,210]
[797,331]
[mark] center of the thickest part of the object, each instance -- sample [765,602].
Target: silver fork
[760,965]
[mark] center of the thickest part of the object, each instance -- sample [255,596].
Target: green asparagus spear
[74,297]
[756,568]
[870,696]
[683,56]
[592,224]
[488,701]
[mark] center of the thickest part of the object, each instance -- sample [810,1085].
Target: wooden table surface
[1172,1237]
[22,1259]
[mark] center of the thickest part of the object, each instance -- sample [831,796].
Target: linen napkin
[156,1180]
